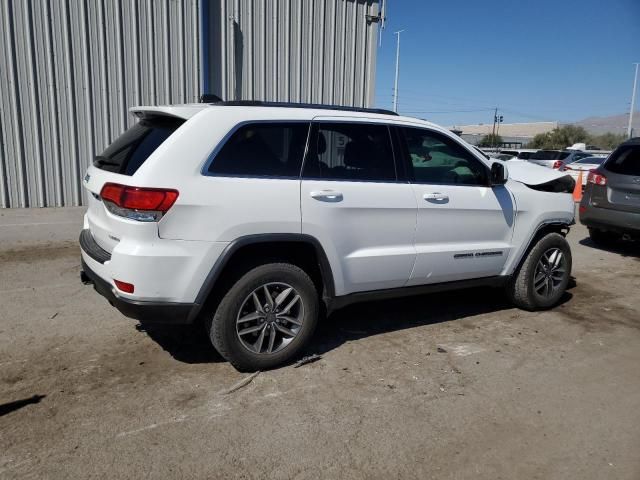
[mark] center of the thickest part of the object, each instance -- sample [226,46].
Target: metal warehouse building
[70,69]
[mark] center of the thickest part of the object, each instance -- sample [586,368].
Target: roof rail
[259,103]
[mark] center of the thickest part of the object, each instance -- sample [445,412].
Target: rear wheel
[266,317]
[603,237]
[544,275]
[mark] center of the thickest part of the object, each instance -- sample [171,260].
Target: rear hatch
[622,171]
[116,165]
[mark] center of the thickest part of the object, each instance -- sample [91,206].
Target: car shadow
[380,317]
[185,343]
[626,248]
[190,344]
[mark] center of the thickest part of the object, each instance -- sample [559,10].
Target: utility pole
[499,121]
[633,102]
[493,132]
[395,85]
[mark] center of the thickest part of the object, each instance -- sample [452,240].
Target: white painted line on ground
[42,287]
[37,224]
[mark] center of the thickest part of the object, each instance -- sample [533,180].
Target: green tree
[561,137]
[606,141]
[490,140]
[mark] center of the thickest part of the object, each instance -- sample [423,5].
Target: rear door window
[131,149]
[625,161]
[263,150]
[352,152]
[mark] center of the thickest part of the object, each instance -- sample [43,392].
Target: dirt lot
[443,386]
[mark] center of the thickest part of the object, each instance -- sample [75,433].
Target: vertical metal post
[395,84]
[633,102]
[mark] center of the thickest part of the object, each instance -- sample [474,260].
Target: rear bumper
[156,312]
[609,219]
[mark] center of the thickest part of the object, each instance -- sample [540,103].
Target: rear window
[263,150]
[131,149]
[549,155]
[625,160]
[590,161]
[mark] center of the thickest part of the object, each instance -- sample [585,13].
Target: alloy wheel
[270,318]
[550,272]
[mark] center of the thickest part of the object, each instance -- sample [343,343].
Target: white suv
[259,218]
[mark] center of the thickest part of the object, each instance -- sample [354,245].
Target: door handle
[327,196]
[436,196]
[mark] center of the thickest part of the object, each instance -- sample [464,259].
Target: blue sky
[535,60]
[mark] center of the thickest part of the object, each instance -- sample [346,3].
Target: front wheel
[543,277]
[266,317]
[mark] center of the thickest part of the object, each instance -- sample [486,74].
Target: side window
[438,159]
[263,149]
[350,151]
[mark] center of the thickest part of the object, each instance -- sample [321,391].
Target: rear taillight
[558,164]
[596,178]
[138,203]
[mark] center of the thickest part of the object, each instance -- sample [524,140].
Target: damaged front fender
[540,178]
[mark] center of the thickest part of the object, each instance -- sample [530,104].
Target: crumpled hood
[530,173]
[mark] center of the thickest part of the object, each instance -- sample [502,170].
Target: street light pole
[395,84]
[633,102]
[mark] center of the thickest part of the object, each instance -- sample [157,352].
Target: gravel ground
[448,386]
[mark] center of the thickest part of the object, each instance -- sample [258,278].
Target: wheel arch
[250,249]
[553,226]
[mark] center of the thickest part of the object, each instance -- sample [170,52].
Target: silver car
[610,207]
[583,165]
[557,158]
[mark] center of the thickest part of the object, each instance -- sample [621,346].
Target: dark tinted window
[263,149]
[438,159]
[625,160]
[590,160]
[524,155]
[350,151]
[548,155]
[130,150]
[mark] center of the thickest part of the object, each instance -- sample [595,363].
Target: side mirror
[499,174]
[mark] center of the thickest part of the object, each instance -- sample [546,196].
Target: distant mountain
[614,124]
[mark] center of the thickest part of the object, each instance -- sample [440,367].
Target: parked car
[255,218]
[501,156]
[583,165]
[556,158]
[520,154]
[610,206]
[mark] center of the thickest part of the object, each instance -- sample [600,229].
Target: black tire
[222,324]
[603,237]
[521,289]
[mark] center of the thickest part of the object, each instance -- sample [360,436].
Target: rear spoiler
[184,112]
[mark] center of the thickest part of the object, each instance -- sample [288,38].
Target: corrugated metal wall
[69,70]
[318,51]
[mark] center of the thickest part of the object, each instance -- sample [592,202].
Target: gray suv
[610,207]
